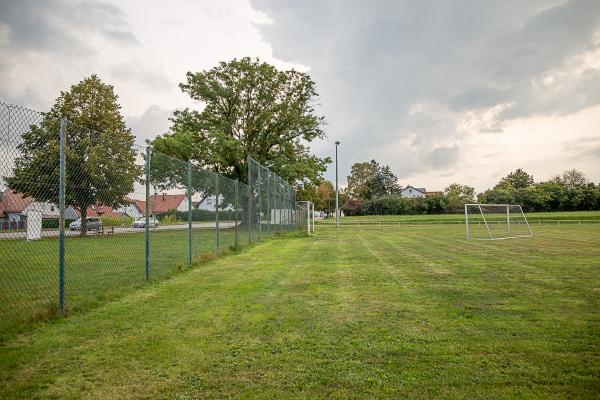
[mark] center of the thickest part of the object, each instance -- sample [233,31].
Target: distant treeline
[571,191]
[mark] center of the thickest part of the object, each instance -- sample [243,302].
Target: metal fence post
[61,207]
[147,212]
[249,212]
[217,214]
[259,205]
[269,204]
[237,233]
[190,213]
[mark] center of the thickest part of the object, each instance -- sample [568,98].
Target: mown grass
[531,217]
[390,312]
[97,269]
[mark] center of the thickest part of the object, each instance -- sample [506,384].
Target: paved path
[118,230]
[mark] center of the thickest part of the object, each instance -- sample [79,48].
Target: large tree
[251,109]
[458,195]
[573,178]
[370,179]
[519,179]
[321,195]
[100,159]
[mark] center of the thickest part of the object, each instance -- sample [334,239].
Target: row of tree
[571,191]
[374,190]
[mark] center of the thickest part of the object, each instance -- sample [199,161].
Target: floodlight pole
[337,209]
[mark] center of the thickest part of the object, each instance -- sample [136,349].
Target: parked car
[141,223]
[92,224]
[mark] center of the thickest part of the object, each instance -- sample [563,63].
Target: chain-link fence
[84,214]
[272,203]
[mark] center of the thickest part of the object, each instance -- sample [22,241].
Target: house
[411,192]
[14,208]
[162,203]
[131,209]
[209,203]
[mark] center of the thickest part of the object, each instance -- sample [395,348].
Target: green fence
[147,215]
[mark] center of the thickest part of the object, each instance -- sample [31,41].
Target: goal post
[310,215]
[495,221]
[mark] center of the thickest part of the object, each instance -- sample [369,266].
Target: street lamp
[337,207]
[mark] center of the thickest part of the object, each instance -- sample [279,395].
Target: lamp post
[337,209]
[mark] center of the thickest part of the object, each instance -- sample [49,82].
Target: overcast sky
[442,91]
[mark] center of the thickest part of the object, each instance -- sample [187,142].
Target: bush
[397,205]
[52,223]
[199,215]
[170,219]
[117,221]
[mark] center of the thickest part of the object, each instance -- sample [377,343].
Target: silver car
[92,224]
[141,223]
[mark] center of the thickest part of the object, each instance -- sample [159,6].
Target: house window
[51,208]
[209,202]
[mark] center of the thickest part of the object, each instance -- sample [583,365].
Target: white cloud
[416,84]
[440,91]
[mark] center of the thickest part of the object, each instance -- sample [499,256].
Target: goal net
[495,221]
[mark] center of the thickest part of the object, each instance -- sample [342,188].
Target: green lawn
[97,269]
[374,312]
[531,217]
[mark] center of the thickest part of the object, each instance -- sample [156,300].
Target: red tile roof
[161,203]
[103,211]
[13,202]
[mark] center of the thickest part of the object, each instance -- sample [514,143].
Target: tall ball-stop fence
[84,214]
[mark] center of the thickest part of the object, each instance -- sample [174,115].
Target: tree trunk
[83,226]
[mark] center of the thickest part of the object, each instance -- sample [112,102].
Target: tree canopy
[517,180]
[458,195]
[251,109]
[99,151]
[570,191]
[369,179]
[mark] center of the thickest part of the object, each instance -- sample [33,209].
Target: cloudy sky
[442,91]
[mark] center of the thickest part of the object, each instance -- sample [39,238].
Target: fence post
[237,190]
[308,217]
[147,212]
[259,205]
[248,212]
[190,213]
[61,208]
[217,213]
[269,204]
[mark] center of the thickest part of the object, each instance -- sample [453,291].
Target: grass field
[390,312]
[532,217]
[97,269]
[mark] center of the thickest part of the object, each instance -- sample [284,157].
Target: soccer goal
[496,221]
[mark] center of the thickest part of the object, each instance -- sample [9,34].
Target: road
[119,230]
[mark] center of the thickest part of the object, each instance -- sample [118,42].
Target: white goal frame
[310,215]
[491,236]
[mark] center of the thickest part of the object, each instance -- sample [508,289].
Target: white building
[411,192]
[209,203]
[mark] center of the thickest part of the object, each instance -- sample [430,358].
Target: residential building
[412,192]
